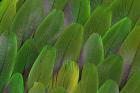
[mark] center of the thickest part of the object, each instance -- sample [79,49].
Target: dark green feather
[26,56]
[111,69]
[8,51]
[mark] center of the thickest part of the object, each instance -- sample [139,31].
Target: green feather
[3,6]
[19,4]
[89,80]
[50,29]
[136,62]
[42,69]
[115,36]
[133,83]
[16,84]
[58,90]
[93,51]
[99,22]
[59,4]
[77,11]
[122,8]
[109,87]
[107,3]
[8,51]
[67,76]
[56,4]
[26,56]
[8,16]
[133,13]
[94,4]
[37,88]
[69,43]
[111,69]
[27,19]
[129,48]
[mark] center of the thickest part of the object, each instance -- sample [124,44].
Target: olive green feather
[50,29]
[99,22]
[8,15]
[136,62]
[69,43]
[133,83]
[37,88]
[58,90]
[67,77]
[27,19]
[93,51]
[89,80]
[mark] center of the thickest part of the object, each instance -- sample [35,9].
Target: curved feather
[136,62]
[8,51]
[133,14]
[50,29]
[59,4]
[99,22]
[16,84]
[27,19]
[89,81]
[128,49]
[112,69]
[133,83]
[37,88]
[94,4]
[77,11]
[26,56]
[42,69]
[8,15]
[93,51]
[19,4]
[122,8]
[67,76]
[109,87]
[116,35]
[69,44]
[3,6]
